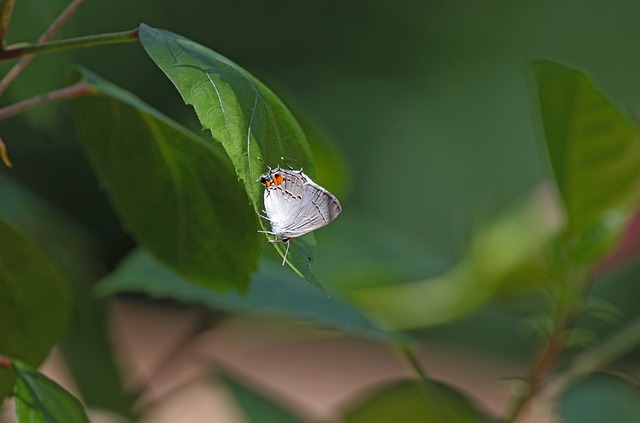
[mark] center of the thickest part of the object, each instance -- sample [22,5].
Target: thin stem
[597,358]
[86,41]
[572,294]
[6,8]
[433,396]
[76,90]
[413,360]
[46,36]
[62,19]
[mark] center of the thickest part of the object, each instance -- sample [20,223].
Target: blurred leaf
[257,408]
[411,401]
[39,399]
[176,193]
[602,398]
[594,149]
[247,118]
[507,255]
[68,245]
[272,293]
[34,302]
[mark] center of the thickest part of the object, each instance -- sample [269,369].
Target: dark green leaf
[41,400]
[594,149]
[85,344]
[257,408]
[412,401]
[273,292]
[602,398]
[247,118]
[177,194]
[34,302]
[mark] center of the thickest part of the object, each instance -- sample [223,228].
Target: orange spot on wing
[278,179]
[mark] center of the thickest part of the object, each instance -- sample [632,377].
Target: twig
[6,8]
[76,90]
[86,41]
[46,36]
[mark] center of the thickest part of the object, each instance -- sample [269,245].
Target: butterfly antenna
[285,163]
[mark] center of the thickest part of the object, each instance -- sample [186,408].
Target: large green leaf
[41,400]
[412,401]
[594,149]
[34,302]
[273,292]
[177,194]
[256,407]
[247,118]
[602,398]
[499,259]
[241,112]
[70,248]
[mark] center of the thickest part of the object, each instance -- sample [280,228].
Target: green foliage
[272,292]
[34,301]
[74,253]
[256,407]
[412,401]
[247,118]
[41,400]
[242,113]
[498,259]
[594,149]
[174,192]
[191,204]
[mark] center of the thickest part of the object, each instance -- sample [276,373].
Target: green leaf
[508,255]
[176,194]
[257,408]
[247,118]
[71,249]
[412,401]
[34,302]
[273,292]
[241,112]
[602,398]
[594,149]
[39,399]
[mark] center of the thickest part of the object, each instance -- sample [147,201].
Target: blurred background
[425,106]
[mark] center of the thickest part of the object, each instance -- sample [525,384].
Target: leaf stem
[76,90]
[6,8]
[413,360]
[46,36]
[86,41]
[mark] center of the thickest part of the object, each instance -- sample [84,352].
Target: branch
[12,52]
[76,90]
[6,8]
[46,36]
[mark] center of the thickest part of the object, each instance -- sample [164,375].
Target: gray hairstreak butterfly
[295,205]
